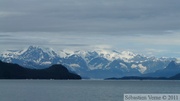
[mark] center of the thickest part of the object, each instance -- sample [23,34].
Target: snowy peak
[113,55]
[33,56]
[107,54]
[38,55]
[37,49]
[12,53]
[65,53]
[127,54]
[9,54]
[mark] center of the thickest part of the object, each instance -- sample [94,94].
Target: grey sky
[144,26]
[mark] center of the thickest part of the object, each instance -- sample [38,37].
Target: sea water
[81,90]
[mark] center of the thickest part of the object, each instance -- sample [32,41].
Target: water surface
[81,90]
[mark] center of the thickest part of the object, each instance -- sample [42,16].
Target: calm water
[82,90]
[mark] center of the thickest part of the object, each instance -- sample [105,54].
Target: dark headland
[14,71]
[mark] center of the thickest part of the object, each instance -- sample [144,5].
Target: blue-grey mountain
[172,69]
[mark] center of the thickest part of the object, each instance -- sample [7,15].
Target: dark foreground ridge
[14,71]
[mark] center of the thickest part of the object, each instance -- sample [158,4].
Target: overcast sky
[151,27]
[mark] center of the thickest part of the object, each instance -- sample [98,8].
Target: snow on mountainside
[33,57]
[12,53]
[28,51]
[94,64]
[107,54]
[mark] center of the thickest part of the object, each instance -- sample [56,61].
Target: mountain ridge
[172,69]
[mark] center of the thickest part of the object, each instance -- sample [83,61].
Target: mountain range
[89,64]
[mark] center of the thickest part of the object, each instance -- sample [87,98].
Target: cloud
[91,16]
[3,35]
[72,45]
[121,24]
[10,14]
[101,46]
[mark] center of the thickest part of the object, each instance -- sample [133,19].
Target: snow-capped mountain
[32,57]
[93,64]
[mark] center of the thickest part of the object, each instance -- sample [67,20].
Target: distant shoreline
[143,78]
